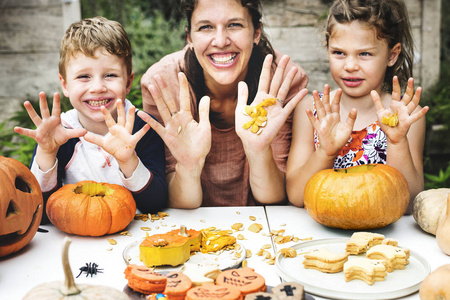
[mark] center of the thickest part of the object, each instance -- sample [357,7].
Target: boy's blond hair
[88,35]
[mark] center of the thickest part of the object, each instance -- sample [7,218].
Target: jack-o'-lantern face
[20,206]
[210,291]
[245,279]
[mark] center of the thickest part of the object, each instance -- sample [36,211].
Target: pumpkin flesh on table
[362,197]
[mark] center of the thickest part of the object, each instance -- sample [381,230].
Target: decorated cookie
[144,280]
[289,291]
[325,261]
[367,270]
[211,291]
[200,275]
[177,286]
[360,242]
[261,296]
[395,257]
[245,279]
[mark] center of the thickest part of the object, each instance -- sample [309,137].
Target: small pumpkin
[429,207]
[91,208]
[436,285]
[359,198]
[195,236]
[21,206]
[165,249]
[68,289]
[443,230]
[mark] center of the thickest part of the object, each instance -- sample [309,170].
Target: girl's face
[94,82]
[358,59]
[222,36]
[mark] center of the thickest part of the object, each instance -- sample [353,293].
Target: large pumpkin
[362,197]
[91,208]
[21,206]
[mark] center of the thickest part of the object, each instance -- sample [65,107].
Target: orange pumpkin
[91,208]
[359,198]
[21,206]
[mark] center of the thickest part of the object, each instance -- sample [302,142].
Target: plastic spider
[90,268]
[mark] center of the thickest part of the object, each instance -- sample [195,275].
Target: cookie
[325,261]
[211,291]
[200,275]
[245,279]
[367,270]
[360,242]
[390,241]
[396,258]
[261,296]
[289,290]
[144,280]
[177,285]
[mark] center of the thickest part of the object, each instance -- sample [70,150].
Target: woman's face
[222,36]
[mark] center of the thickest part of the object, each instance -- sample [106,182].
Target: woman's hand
[332,133]
[405,108]
[189,141]
[49,132]
[269,87]
[119,141]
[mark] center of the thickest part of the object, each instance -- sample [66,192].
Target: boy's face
[94,82]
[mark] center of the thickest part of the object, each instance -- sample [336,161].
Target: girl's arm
[405,140]
[304,160]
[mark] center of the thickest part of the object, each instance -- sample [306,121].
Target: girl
[370,51]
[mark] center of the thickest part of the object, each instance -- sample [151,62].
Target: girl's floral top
[366,146]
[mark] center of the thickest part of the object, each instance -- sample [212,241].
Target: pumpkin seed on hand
[390,120]
[258,114]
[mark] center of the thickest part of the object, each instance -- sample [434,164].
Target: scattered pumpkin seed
[112,241]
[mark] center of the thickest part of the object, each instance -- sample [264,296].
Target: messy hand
[269,87]
[405,108]
[189,141]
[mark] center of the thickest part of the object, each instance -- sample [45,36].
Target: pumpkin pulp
[92,189]
[165,249]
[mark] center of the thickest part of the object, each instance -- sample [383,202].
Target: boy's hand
[120,142]
[406,108]
[49,132]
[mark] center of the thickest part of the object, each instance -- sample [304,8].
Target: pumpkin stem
[183,231]
[69,287]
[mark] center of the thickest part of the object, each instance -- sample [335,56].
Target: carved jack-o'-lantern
[245,279]
[20,206]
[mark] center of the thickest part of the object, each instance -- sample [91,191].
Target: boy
[95,140]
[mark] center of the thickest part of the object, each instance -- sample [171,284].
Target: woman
[211,160]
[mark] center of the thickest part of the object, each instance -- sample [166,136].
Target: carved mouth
[14,237]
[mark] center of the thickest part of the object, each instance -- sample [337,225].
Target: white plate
[225,260]
[396,284]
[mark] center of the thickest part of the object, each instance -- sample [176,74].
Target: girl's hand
[275,87]
[406,108]
[119,141]
[188,141]
[332,133]
[49,132]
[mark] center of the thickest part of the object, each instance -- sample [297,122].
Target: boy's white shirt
[90,162]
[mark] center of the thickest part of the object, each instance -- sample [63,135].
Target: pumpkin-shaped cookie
[177,286]
[210,291]
[245,279]
[144,280]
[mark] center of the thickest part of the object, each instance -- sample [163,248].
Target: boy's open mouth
[98,103]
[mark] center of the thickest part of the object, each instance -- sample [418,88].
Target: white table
[297,222]
[40,261]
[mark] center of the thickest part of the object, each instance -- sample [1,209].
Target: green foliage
[442,180]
